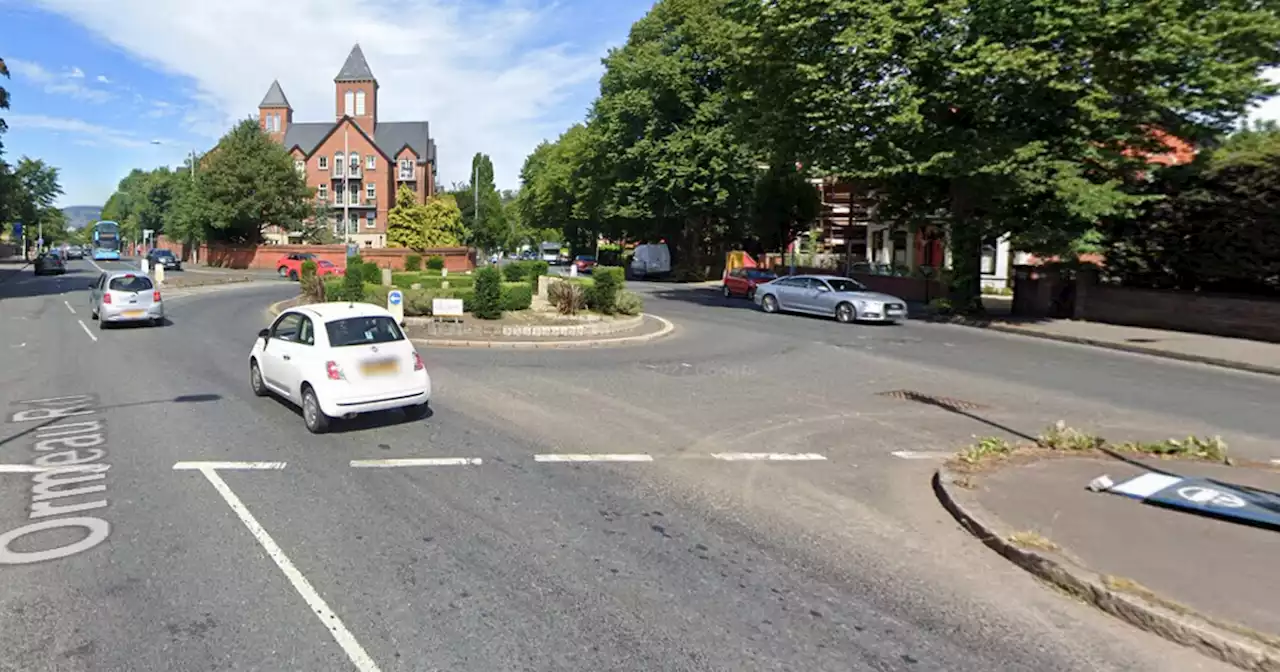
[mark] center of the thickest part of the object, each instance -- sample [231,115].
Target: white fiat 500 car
[339,360]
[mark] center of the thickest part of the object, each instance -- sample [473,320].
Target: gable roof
[307,136]
[390,137]
[275,97]
[355,69]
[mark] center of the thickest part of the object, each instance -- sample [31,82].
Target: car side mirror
[264,333]
[92,285]
[824,289]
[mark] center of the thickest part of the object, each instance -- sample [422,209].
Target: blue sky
[94,84]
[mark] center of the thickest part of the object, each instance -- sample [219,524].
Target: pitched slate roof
[306,136]
[275,97]
[356,69]
[390,137]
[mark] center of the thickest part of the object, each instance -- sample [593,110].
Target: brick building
[355,162]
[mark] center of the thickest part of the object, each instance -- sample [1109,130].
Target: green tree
[247,182]
[490,230]
[418,226]
[1013,116]
[4,98]
[36,187]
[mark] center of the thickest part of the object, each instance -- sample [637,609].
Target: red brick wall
[1240,317]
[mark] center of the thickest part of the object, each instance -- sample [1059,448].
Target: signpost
[446,308]
[395,304]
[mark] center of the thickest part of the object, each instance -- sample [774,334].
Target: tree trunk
[966,250]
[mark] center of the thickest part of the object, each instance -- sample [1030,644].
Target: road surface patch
[355,652]
[921,454]
[418,462]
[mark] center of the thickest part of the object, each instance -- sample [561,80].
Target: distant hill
[80,216]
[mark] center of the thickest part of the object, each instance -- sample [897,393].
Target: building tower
[274,112]
[356,92]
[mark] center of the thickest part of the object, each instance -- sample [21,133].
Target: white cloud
[103,79]
[84,133]
[476,73]
[50,82]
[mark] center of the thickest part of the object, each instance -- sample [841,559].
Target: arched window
[359,103]
[349,101]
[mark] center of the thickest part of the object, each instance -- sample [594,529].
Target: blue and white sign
[395,305]
[1204,496]
[17,230]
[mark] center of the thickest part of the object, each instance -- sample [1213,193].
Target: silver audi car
[125,296]
[845,299]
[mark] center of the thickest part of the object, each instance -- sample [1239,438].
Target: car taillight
[106,298]
[155,296]
[334,372]
[417,363]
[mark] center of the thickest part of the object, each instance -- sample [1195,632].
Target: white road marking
[86,330]
[921,454]
[419,462]
[95,265]
[198,466]
[769,457]
[20,345]
[20,469]
[345,639]
[1272,461]
[68,304]
[634,457]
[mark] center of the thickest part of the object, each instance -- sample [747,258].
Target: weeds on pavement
[1062,439]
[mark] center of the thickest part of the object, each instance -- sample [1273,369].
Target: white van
[650,260]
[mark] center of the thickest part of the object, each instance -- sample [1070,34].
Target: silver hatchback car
[125,296]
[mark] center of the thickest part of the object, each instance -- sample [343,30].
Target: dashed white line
[768,457]
[86,330]
[921,454]
[198,466]
[564,457]
[95,265]
[68,304]
[355,652]
[419,462]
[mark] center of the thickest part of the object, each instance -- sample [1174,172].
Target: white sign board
[446,307]
[145,265]
[395,305]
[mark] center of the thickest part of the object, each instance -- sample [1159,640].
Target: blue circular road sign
[394,297]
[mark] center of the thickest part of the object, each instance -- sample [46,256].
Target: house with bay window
[354,162]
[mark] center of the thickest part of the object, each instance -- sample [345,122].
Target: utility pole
[475,190]
[346,184]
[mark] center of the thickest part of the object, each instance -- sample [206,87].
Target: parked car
[290,265]
[125,296]
[743,281]
[843,298]
[50,263]
[165,258]
[584,263]
[339,360]
[325,267]
[75,252]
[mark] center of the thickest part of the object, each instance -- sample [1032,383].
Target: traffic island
[535,330]
[1200,581]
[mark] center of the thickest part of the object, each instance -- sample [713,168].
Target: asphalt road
[685,561]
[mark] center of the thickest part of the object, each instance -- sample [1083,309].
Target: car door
[95,293]
[787,291]
[821,297]
[277,356]
[297,357]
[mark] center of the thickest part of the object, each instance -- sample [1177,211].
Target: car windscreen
[130,283]
[163,253]
[324,263]
[363,331]
[761,275]
[846,285]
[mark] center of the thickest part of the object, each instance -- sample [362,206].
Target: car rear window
[363,331]
[130,283]
[760,275]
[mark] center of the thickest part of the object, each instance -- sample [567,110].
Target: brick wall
[456,259]
[1219,315]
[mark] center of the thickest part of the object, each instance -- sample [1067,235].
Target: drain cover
[932,400]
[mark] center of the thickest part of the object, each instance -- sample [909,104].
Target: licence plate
[134,313]
[386,367]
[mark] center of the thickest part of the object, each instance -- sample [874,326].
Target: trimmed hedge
[488,294]
[417,302]
[435,263]
[607,282]
[516,296]
[413,262]
[429,281]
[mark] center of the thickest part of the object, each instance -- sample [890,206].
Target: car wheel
[293,275]
[727,294]
[317,422]
[283,271]
[417,411]
[845,313]
[769,304]
[255,380]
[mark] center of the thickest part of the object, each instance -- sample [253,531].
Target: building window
[300,166]
[338,193]
[337,164]
[323,162]
[275,123]
[355,164]
[406,169]
[370,220]
[355,196]
[370,191]
[370,162]
[323,192]
[359,103]
[353,224]
[349,101]
[990,248]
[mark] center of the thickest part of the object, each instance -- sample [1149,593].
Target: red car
[290,265]
[584,263]
[743,281]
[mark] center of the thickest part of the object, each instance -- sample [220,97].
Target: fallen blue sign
[1205,496]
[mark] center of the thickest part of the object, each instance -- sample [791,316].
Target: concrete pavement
[711,554]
